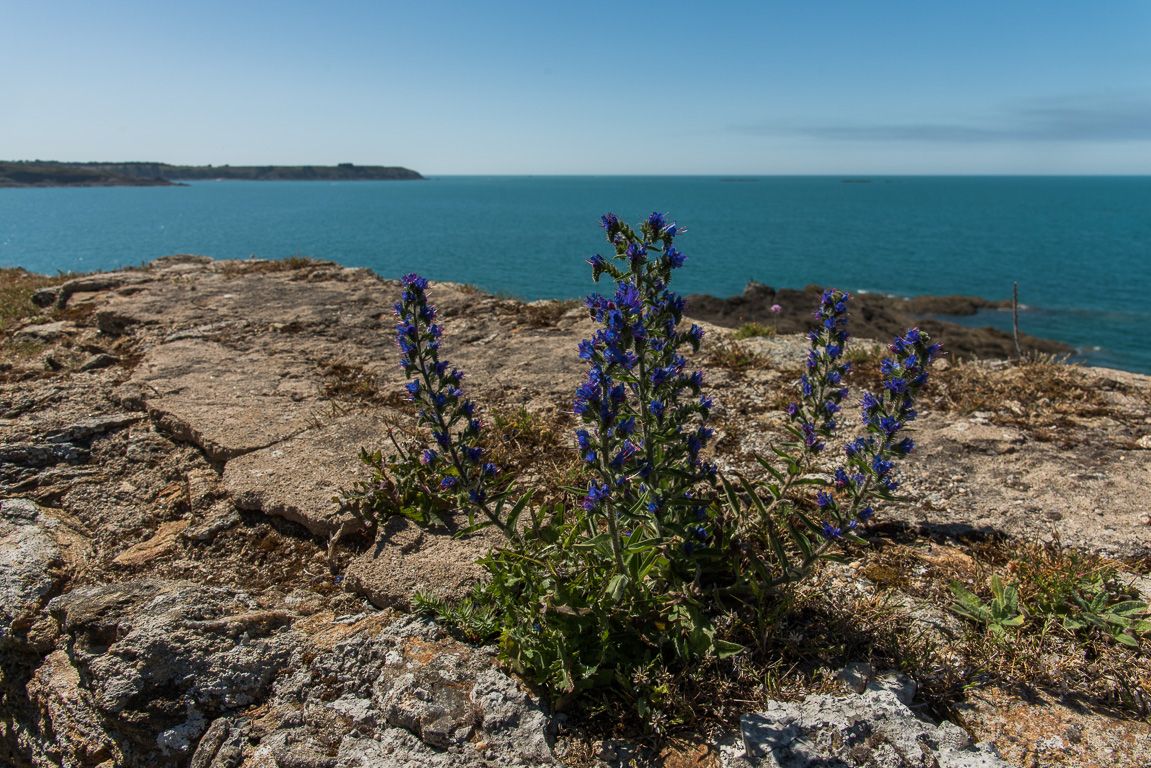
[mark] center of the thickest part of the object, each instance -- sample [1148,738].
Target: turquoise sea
[1079,247]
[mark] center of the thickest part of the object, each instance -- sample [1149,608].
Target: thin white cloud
[1065,119]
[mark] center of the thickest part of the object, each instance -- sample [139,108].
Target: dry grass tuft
[542,314]
[16,288]
[290,264]
[1033,384]
[536,448]
[753,330]
[736,358]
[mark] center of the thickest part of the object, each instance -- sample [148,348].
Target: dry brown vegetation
[16,288]
[288,264]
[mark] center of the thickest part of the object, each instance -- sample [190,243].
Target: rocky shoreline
[182,588]
[875,316]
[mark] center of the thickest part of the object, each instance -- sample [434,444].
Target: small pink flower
[776,308]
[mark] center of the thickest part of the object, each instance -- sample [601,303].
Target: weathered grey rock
[856,675]
[84,428]
[40,454]
[60,294]
[69,729]
[44,332]
[225,402]
[96,362]
[210,523]
[894,682]
[299,478]
[158,661]
[29,568]
[875,729]
[222,745]
[395,694]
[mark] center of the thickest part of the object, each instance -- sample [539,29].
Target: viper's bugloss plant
[632,574]
[870,459]
[455,461]
[644,413]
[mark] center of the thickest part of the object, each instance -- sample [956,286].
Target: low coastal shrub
[1051,586]
[650,566]
[753,330]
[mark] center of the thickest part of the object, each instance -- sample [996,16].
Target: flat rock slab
[212,293]
[298,478]
[227,402]
[1005,481]
[406,558]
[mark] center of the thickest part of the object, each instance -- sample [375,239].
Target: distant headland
[45,173]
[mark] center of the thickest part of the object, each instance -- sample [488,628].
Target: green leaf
[811,526]
[517,510]
[767,465]
[780,553]
[801,541]
[473,528]
[812,481]
[724,649]
[617,586]
[732,496]
[1128,608]
[968,604]
[747,487]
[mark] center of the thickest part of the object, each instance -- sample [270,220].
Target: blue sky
[588,88]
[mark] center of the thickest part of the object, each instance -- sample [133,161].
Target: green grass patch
[753,330]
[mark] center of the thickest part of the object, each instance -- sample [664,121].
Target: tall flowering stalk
[435,387]
[870,459]
[644,413]
[815,417]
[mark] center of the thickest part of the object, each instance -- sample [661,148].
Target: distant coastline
[52,173]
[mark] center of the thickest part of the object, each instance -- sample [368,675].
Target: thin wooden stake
[1015,317]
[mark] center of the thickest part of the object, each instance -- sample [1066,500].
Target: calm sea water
[1080,247]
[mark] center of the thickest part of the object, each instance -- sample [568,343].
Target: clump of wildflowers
[870,459]
[632,575]
[782,540]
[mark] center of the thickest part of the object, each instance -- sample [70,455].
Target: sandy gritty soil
[195,420]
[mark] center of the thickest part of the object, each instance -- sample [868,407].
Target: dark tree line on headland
[45,173]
